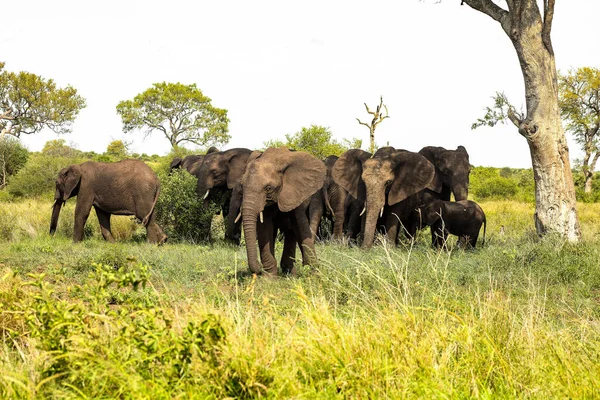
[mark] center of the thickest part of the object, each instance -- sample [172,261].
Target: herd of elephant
[394,192]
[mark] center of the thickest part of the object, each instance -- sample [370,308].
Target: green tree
[117,150]
[59,148]
[579,99]
[13,156]
[30,103]
[315,140]
[181,112]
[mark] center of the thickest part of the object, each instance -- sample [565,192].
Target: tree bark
[556,210]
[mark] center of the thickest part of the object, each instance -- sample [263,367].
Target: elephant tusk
[206,194]
[238,218]
[381,213]
[363,211]
[261,217]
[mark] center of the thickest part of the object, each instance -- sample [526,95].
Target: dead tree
[377,119]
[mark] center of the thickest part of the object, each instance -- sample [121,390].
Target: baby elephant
[461,218]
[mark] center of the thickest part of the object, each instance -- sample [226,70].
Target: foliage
[516,319]
[117,150]
[501,112]
[179,211]
[487,183]
[13,157]
[30,103]
[38,176]
[59,148]
[181,112]
[579,99]
[315,140]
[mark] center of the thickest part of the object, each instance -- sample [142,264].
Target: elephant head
[431,212]
[191,162]
[221,169]
[67,186]
[386,178]
[277,176]
[452,170]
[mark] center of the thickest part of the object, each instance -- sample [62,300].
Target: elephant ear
[347,172]
[176,163]
[413,174]
[303,176]
[237,166]
[71,179]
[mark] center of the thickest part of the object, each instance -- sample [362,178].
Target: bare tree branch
[548,17]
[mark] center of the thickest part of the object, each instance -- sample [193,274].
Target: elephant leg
[233,232]
[154,232]
[303,235]
[266,233]
[82,212]
[104,220]
[315,211]
[392,224]
[288,258]
[437,234]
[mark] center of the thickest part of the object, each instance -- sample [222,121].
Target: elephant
[329,202]
[382,181]
[191,162]
[221,172]
[461,218]
[127,187]
[452,170]
[277,187]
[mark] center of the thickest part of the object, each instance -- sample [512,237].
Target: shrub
[179,211]
[39,174]
[13,156]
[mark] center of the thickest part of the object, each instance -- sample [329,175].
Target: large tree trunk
[556,210]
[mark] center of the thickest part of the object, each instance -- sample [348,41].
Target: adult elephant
[192,162]
[328,202]
[452,170]
[382,181]
[277,186]
[127,187]
[221,172]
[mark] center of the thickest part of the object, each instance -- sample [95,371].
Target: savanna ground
[518,318]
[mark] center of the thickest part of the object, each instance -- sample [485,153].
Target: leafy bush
[502,183]
[39,174]
[179,211]
[13,156]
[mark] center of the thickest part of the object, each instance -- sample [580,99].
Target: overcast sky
[277,66]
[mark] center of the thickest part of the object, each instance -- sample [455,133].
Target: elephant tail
[147,217]
[484,226]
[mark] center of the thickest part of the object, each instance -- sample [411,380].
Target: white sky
[277,66]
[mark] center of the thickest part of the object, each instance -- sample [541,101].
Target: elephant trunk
[374,206]
[55,213]
[460,188]
[250,211]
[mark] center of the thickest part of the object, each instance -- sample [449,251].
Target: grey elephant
[452,169]
[461,218]
[382,181]
[277,187]
[127,187]
[192,162]
[222,172]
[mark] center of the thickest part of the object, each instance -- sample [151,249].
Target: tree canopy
[30,103]
[579,96]
[117,150]
[315,140]
[181,112]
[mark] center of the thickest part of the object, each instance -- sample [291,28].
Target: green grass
[518,318]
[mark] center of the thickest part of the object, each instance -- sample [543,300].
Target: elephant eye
[388,182]
[268,188]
